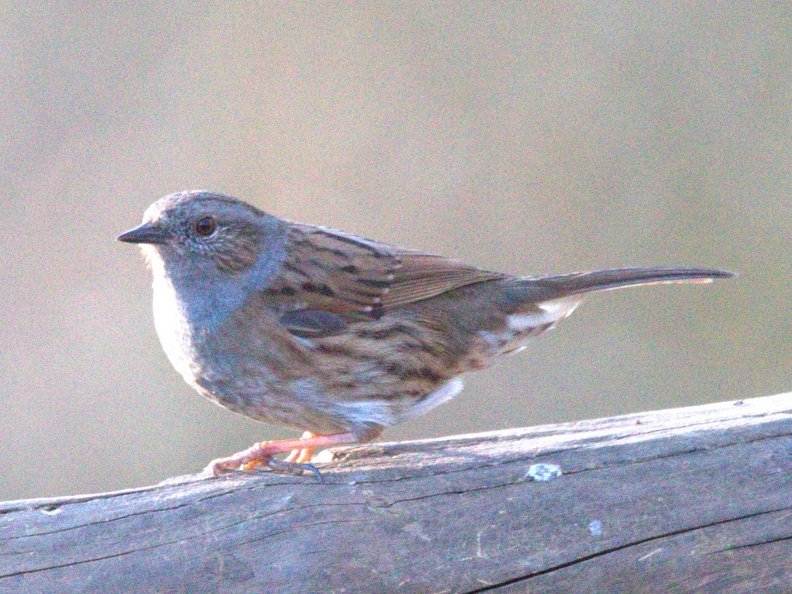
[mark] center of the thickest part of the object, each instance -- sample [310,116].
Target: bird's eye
[205,226]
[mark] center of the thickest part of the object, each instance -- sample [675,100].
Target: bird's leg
[302,455]
[263,454]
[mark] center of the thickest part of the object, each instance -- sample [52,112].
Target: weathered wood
[692,499]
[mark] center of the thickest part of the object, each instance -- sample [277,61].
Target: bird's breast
[179,334]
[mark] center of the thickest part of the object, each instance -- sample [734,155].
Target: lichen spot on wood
[543,472]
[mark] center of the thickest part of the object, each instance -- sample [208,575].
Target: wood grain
[694,499]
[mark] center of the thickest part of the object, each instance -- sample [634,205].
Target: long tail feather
[616,278]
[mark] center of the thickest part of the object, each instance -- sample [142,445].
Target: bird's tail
[537,303]
[577,283]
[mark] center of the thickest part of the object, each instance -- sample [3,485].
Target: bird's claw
[251,460]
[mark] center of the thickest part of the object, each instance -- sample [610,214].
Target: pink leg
[303,455]
[262,454]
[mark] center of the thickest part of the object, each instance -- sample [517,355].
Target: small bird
[330,333]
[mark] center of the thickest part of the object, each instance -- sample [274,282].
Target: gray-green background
[524,137]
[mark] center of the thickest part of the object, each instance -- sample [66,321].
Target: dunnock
[330,333]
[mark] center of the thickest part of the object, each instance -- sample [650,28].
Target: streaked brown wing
[338,272]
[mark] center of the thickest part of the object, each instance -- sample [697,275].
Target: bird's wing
[330,278]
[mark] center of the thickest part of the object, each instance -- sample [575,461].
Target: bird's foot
[262,455]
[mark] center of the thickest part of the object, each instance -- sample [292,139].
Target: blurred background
[527,137]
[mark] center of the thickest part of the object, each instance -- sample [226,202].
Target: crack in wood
[752,544]
[630,545]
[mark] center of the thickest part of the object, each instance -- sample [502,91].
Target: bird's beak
[145,233]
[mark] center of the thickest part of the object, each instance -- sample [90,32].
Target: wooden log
[694,499]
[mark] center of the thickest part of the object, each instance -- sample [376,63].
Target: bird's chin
[151,256]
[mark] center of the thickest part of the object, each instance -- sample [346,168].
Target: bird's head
[197,231]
